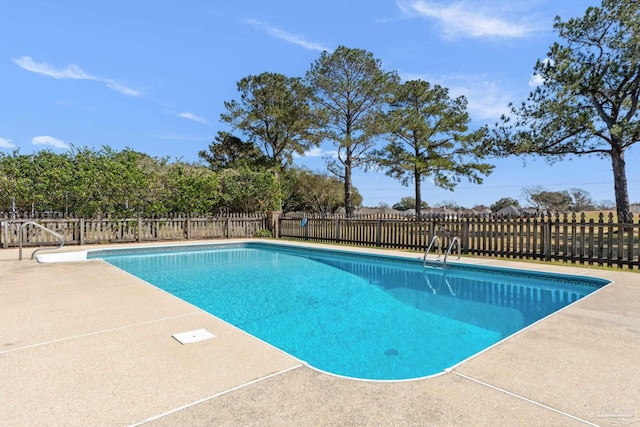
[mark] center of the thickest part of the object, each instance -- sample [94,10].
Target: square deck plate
[193,336]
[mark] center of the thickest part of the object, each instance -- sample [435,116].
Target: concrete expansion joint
[104,331]
[213,396]
[518,396]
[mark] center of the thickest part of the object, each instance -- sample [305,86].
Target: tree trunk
[417,178]
[620,184]
[348,192]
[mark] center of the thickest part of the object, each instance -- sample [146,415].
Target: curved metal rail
[453,241]
[453,238]
[41,228]
[424,259]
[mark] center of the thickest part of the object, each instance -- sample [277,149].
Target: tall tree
[350,89]
[503,203]
[409,203]
[274,113]
[190,189]
[315,192]
[544,200]
[580,200]
[18,178]
[587,102]
[52,177]
[429,137]
[228,151]
[244,190]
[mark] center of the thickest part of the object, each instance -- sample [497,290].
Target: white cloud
[464,19]
[286,36]
[319,152]
[486,98]
[72,72]
[111,84]
[538,79]
[194,117]
[6,143]
[49,140]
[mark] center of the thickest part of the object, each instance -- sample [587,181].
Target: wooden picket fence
[567,238]
[81,231]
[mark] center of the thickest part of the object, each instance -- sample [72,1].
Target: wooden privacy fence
[545,237]
[80,231]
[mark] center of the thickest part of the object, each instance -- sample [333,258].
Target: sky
[153,75]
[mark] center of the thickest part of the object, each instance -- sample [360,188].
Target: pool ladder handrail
[426,252]
[453,238]
[41,227]
[453,241]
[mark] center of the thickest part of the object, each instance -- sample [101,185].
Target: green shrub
[263,233]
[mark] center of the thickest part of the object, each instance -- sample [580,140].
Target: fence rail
[547,237]
[81,231]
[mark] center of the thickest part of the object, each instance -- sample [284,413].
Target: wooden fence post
[432,233]
[81,231]
[273,222]
[546,236]
[465,236]
[4,238]
[378,232]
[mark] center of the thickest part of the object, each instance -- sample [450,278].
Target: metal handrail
[41,227]
[424,259]
[453,238]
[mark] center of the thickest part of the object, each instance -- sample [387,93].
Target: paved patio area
[84,343]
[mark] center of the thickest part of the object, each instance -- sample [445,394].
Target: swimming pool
[358,315]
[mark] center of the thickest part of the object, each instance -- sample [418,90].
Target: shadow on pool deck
[87,344]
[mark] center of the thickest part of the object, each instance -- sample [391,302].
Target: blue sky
[153,75]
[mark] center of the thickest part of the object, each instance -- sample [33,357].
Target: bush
[263,233]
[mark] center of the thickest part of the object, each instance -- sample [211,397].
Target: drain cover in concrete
[193,336]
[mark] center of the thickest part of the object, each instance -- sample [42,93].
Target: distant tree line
[90,183]
[537,199]
[542,200]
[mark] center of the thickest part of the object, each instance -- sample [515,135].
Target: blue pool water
[359,316]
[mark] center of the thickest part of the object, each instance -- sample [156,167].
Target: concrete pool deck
[84,343]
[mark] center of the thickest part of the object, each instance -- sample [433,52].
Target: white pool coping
[63,257]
